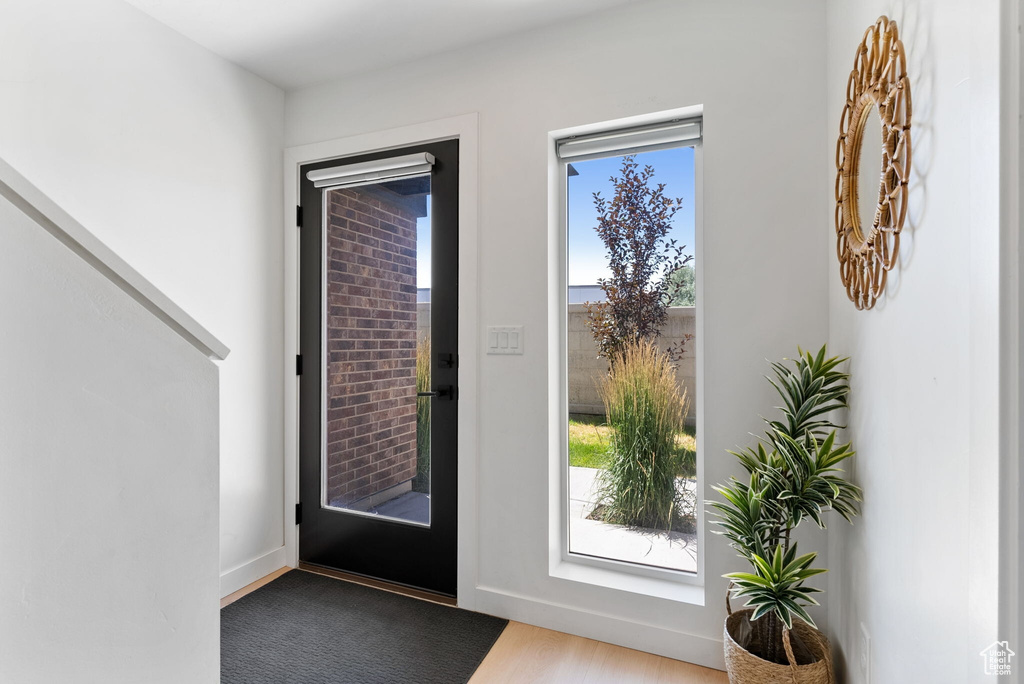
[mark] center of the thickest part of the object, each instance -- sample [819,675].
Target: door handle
[442,392]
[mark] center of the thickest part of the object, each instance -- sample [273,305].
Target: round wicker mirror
[873,164]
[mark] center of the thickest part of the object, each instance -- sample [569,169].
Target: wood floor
[525,654]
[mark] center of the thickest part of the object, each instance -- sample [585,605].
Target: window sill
[680,590]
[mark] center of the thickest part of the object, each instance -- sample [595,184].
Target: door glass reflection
[376,441]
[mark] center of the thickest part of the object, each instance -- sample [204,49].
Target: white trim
[247,573]
[58,223]
[699,344]
[645,580]
[1011,593]
[642,636]
[653,581]
[985,198]
[465,128]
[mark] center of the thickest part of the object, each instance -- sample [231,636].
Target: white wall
[108,478]
[764,270]
[918,569]
[171,156]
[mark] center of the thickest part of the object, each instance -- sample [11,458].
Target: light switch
[504,339]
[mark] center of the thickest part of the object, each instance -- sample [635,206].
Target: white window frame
[664,582]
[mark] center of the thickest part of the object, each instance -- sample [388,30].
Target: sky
[674,168]
[423,248]
[587,259]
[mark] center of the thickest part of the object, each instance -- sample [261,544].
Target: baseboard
[233,580]
[640,636]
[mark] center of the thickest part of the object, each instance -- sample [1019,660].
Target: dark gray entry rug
[309,629]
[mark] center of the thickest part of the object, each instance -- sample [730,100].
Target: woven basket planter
[746,668]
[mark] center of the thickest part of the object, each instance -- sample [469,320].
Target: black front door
[379,386]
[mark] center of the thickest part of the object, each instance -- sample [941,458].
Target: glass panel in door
[376,380]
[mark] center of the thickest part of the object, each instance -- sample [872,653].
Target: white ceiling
[294,43]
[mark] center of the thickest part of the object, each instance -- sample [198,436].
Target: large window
[631,227]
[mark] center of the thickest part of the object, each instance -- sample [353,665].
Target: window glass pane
[631,327]
[376,442]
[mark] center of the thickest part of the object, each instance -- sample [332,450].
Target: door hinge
[298,514]
[298,215]
[298,364]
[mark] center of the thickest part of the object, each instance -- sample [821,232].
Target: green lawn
[588,443]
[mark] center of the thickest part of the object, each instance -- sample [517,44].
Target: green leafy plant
[421,483]
[645,409]
[684,281]
[793,475]
[778,582]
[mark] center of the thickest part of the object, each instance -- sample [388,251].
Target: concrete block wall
[371,288]
[586,368]
[422,320]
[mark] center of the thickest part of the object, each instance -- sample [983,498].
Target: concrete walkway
[411,506]
[675,550]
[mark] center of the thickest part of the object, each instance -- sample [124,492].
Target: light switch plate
[504,339]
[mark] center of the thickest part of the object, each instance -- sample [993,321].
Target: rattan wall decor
[868,247]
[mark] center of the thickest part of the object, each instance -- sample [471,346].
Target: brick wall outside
[371,290]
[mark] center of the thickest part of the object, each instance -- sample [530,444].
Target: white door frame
[1011,317]
[465,128]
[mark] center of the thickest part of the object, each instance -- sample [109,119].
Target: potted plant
[792,476]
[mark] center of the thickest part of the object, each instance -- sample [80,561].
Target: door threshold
[412,592]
